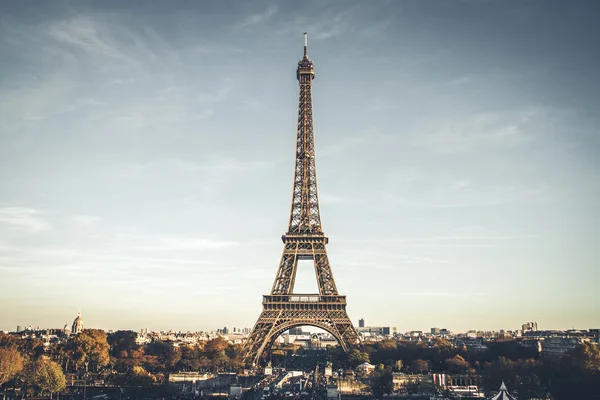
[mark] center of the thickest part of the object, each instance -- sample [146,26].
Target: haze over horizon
[147,152]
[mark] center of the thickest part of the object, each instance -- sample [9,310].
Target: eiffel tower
[283,309]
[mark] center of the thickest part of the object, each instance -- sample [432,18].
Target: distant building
[329,369]
[361,323]
[19,329]
[436,331]
[529,327]
[77,325]
[295,331]
[365,369]
[532,344]
[269,369]
[556,346]
[377,330]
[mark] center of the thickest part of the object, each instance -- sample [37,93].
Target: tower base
[282,312]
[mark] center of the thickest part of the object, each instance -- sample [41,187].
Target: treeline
[575,375]
[38,369]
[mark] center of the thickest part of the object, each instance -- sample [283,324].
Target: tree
[140,377]
[44,376]
[124,350]
[357,357]
[382,384]
[7,340]
[215,346]
[419,365]
[576,374]
[31,348]
[88,347]
[11,363]
[161,356]
[190,358]
[398,365]
[457,364]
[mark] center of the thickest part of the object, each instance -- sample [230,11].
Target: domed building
[77,325]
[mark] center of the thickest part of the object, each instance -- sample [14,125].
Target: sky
[147,153]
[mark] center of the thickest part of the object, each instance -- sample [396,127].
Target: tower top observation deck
[305,66]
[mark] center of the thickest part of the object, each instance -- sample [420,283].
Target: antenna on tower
[305,44]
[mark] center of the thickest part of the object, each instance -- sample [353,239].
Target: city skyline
[146,160]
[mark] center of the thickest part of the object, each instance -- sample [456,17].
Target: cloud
[467,239]
[480,130]
[441,294]
[86,220]
[258,18]
[83,32]
[172,243]
[325,198]
[227,85]
[23,219]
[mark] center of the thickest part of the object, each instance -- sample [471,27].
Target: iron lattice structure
[304,240]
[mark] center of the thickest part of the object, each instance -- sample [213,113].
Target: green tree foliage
[44,376]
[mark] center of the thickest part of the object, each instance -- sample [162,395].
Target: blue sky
[146,160]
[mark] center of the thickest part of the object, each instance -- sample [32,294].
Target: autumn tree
[419,365]
[457,364]
[215,352]
[44,376]
[190,358]
[88,348]
[124,350]
[398,365]
[11,363]
[161,356]
[7,340]
[577,374]
[31,348]
[382,384]
[357,357]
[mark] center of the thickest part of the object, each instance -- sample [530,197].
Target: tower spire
[305,45]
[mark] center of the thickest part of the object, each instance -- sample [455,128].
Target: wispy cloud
[257,18]
[221,94]
[86,220]
[185,243]
[24,219]
[84,32]
[326,198]
[479,130]
[441,294]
